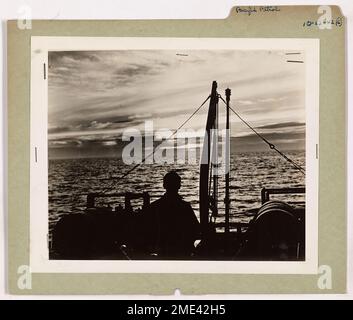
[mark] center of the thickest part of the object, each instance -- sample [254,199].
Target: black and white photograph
[170,154]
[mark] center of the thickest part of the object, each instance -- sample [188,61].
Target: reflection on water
[70,181]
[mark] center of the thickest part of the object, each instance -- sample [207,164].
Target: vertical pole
[227,164]
[214,162]
[205,164]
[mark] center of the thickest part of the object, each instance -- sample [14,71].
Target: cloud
[56,57]
[247,141]
[271,99]
[246,102]
[133,70]
[109,143]
[283,141]
[282,125]
[259,79]
[99,125]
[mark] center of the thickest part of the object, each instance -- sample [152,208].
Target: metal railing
[265,193]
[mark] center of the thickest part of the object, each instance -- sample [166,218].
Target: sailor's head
[172,182]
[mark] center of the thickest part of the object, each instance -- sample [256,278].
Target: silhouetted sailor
[174,225]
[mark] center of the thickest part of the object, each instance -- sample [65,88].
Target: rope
[271,145]
[154,151]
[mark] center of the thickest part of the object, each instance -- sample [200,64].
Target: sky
[94,96]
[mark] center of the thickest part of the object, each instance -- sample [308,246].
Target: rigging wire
[155,149]
[271,145]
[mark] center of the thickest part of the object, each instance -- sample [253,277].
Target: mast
[214,162]
[205,162]
[227,164]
